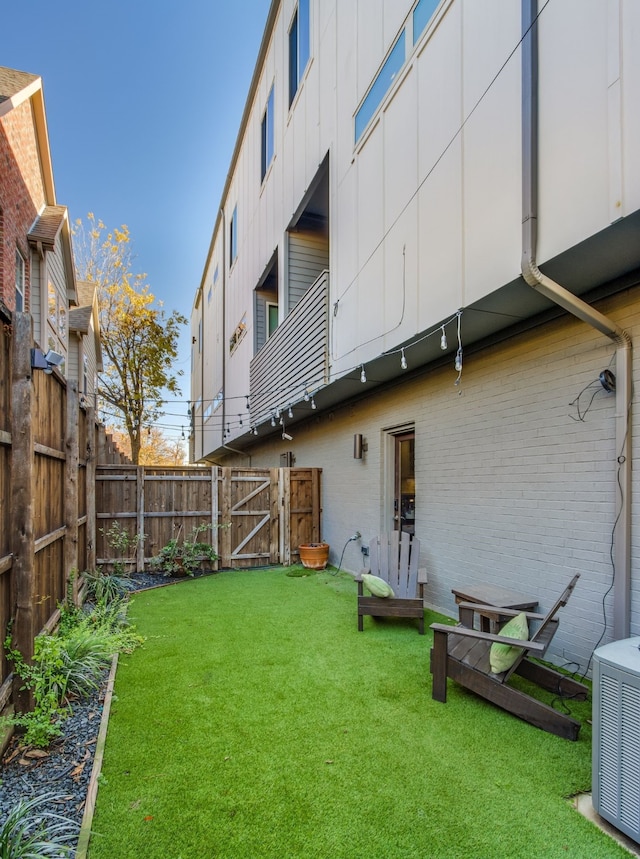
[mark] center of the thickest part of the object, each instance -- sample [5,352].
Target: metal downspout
[582,310]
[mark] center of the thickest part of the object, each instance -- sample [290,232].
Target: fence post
[71,467]
[92,432]
[215,515]
[282,522]
[22,500]
[140,519]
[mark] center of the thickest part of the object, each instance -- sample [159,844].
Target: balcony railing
[295,358]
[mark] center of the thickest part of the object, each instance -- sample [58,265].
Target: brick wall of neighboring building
[22,195]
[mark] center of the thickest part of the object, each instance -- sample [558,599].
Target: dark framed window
[233,237]
[299,47]
[267,138]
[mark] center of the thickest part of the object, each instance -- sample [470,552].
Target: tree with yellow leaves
[139,341]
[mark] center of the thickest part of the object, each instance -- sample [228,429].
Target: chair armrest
[525,644]
[495,609]
[422,576]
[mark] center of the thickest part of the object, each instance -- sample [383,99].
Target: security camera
[54,358]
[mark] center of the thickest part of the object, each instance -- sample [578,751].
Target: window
[299,44]
[267,137]
[272,318]
[422,14]
[380,86]
[20,272]
[233,237]
[238,334]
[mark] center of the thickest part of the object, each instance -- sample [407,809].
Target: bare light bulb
[458,364]
[403,361]
[443,340]
[313,403]
[363,375]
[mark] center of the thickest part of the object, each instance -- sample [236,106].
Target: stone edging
[92,790]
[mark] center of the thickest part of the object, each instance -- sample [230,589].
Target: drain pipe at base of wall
[582,310]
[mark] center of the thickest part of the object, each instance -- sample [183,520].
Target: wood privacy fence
[63,482]
[49,445]
[258,515]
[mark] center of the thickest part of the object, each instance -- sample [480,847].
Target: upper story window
[299,46]
[422,14]
[20,281]
[233,237]
[380,85]
[267,138]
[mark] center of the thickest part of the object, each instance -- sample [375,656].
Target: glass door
[404,503]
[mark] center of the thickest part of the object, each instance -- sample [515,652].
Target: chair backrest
[395,557]
[548,625]
[551,614]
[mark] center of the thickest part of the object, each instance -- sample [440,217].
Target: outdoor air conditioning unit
[616,735]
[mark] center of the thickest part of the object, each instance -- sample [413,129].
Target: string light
[306,395]
[403,361]
[273,419]
[363,375]
[313,403]
[239,420]
[255,430]
[290,411]
[443,340]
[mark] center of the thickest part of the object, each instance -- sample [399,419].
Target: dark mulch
[64,769]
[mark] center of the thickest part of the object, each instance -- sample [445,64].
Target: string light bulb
[255,430]
[458,364]
[290,411]
[313,403]
[306,395]
[363,375]
[443,340]
[403,361]
[273,420]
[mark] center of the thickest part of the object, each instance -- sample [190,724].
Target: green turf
[257,721]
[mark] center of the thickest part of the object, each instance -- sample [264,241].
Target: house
[424,279]
[36,260]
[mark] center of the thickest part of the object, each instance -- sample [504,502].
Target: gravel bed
[64,769]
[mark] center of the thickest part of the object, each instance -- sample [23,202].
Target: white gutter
[582,310]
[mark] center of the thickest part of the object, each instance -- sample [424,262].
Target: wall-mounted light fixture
[360,445]
[40,361]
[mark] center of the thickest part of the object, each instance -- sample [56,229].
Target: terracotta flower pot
[314,556]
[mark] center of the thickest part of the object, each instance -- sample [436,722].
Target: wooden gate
[260,515]
[266,514]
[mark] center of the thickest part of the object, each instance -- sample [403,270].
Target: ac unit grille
[616,760]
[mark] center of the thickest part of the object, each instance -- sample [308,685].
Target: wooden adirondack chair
[462,654]
[394,557]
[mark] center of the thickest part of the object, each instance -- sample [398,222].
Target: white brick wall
[510,488]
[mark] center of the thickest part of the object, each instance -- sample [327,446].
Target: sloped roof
[80,317]
[12,83]
[47,226]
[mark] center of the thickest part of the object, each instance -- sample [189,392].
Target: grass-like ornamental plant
[69,665]
[31,831]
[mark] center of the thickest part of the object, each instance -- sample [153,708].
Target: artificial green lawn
[256,721]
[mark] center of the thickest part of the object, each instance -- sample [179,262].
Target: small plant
[105,587]
[69,665]
[124,544]
[31,830]
[184,557]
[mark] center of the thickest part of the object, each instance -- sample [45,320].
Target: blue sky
[143,100]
